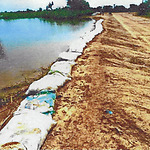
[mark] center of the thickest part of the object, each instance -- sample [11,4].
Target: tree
[133,8]
[107,8]
[40,9]
[29,10]
[49,5]
[99,8]
[144,7]
[78,4]
[120,8]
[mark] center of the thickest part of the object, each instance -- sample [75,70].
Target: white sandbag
[85,37]
[96,13]
[63,66]
[33,105]
[77,46]
[99,26]
[88,36]
[52,81]
[69,55]
[89,28]
[29,129]
[43,102]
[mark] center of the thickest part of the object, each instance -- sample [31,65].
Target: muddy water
[29,44]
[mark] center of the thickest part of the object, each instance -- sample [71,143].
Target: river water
[28,44]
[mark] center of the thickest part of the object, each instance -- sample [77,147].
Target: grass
[53,14]
[147,15]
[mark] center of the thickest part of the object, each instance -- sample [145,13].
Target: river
[29,44]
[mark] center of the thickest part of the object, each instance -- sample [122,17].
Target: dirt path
[113,73]
[138,28]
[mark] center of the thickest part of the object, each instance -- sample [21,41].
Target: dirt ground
[112,74]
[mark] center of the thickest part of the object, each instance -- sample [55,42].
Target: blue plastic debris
[48,99]
[35,102]
[47,96]
[109,112]
[30,98]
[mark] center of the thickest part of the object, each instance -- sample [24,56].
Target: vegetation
[144,8]
[147,15]
[53,14]
[49,6]
[78,4]
[74,21]
[75,9]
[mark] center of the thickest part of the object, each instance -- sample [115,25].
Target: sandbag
[28,129]
[52,81]
[69,55]
[43,102]
[63,67]
[77,46]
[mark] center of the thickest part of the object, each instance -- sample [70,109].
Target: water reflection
[24,32]
[80,21]
[2,52]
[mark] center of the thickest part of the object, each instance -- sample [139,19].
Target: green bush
[53,14]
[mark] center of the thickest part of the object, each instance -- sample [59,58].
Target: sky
[14,5]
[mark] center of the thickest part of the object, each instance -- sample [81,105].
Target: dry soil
[112,74]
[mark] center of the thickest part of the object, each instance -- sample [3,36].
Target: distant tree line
[76,8]
[78,4]
[142,9]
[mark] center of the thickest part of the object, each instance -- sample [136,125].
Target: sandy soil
[112,74]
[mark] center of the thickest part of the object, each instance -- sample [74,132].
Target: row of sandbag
[61,69]
[33,119]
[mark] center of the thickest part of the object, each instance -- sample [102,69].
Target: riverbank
[53,81]
[15,68]
[112,74]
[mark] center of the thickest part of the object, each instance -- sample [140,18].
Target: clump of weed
[136,60]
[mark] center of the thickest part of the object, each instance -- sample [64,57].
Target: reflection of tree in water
[67,21]
[2,53]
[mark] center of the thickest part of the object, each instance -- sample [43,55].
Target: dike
[32,121]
